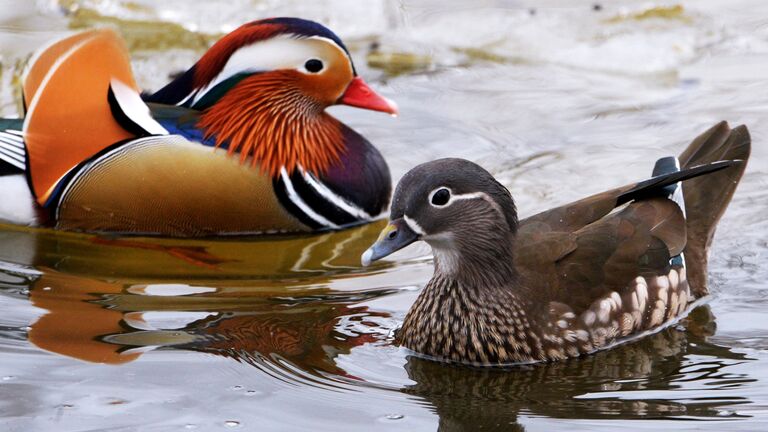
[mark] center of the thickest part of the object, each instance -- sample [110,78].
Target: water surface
[557,99]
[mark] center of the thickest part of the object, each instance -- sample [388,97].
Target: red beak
[358,94]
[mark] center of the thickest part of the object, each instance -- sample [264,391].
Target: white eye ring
[442,200]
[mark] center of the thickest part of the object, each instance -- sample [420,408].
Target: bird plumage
[567,281]
[256,97]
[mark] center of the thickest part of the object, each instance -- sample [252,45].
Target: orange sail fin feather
[44,60]
[69,118]
[315,144]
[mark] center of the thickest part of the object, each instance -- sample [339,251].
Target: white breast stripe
[15,132]
[336,200]
[294,197]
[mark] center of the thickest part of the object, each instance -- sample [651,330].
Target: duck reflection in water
[495,399]
[300,317]
[265,330]
[282,309]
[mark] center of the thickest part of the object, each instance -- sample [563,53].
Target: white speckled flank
[645,304]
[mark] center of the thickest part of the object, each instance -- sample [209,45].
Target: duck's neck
[476,262]
[473,309]
[272,121]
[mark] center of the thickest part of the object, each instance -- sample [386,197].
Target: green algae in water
[675,12]
[144,35]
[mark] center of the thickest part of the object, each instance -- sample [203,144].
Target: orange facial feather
[270,118]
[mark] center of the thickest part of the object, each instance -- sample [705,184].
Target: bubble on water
[232,423]
[9,378]
[190,426]
[237,387]
[251,393]
[47,288]
[394,416]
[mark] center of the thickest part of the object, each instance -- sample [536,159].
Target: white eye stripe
[473,195]
[457,197]
[413,225]
[285,51]
[467,196]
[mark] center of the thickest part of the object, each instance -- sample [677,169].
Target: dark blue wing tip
[666,165]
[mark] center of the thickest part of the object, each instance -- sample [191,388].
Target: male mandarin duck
[240,143]
[567,281]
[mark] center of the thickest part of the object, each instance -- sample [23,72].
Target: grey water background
[559,99]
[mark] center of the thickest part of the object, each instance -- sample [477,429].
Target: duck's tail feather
[664,183]
[706,197]
[674,192]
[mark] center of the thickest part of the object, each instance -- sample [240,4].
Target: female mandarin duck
[568,281]
[240,143]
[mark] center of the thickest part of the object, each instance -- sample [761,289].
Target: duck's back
[615,277]
[600,272]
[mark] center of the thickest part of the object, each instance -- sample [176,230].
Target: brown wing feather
[603,256]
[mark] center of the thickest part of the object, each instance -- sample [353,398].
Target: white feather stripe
[47,78]
[413,225]
[12,137]
[15,132]
[12,154]
[12,160]
[296,199]
[677,195]
[11,146]
[335,199]
[134,108]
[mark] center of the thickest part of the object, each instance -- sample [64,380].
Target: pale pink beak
[358,94]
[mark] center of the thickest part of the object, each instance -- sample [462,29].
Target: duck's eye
[441,197]
[313,65]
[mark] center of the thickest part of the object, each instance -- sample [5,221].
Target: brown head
[466,216]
